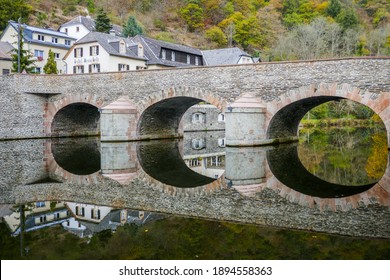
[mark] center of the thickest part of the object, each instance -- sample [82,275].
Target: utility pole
[19,45]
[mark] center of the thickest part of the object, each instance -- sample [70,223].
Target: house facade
[5,58]
[39,41]
[100,52]
[81,26]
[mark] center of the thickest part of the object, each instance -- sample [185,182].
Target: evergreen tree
[102,23]
[334,8]
[27,62]
[51,65]
[132,28]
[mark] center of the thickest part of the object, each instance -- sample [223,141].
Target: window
[94,50]
[173,56]
[38,54]
[221,117]
[163,54]
[188,59]
[38,70]
[54,40]
[221,142]
[40,204]
[94,68]
[41,37]
[42,219]
[78,52]
[56,55]
[198,118]
[77,29]
[123,67]
[194,162]
[78,69]
[67,42]
[196,60]
[6,71]
[198,143]
[66,30]
[122,47]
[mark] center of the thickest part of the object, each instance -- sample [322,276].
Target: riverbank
[344,122]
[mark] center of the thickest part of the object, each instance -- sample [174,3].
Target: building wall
[72,30]
[5,66]
[108,63]
[210,118]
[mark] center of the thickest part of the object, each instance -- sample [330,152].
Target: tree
[132,28]
[334,8]
[12,10]
[51,65]
[193,16]
[27,62]
[216,35]
[102,23]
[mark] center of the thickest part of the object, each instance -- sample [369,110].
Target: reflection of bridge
[123,182]
[149,104]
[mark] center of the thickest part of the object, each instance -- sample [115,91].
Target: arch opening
[162,119]
[285,123]
[76,119]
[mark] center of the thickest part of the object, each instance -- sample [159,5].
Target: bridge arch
[73,116]
[285,113]
[161,113]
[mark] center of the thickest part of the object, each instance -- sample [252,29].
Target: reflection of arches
[77,156]
[285,113]
[161,113]
[300,186]
[163,162]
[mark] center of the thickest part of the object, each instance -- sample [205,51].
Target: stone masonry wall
[22,113]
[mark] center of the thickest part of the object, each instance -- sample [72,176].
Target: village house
[80,26]
[39,41]
[226,56]
[5,58]
[101,52]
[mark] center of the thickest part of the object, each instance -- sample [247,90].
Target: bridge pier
[118,121]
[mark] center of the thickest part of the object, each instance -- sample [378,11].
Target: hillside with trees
[273,29]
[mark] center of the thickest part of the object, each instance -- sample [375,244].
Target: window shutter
[90,68]
[98,67]
[81,52]
[90,51]
[119,67]
[74,69]
[97,50]
[75,52]
[128,67]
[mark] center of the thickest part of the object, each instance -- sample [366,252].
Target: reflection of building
[36,216]
[212,166]
[90,219]
[203,117]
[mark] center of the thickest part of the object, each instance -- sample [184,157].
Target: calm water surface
[196,198]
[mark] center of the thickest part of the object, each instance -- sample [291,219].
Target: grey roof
[5,50]
[110,43]
[152,50]
[225,56]
[89,23]
[28,32]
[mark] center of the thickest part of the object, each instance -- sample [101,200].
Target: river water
[325,197]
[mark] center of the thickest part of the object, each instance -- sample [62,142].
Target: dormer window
[173,56]
[188,59]
[163,54]
[122,47]
[196,60]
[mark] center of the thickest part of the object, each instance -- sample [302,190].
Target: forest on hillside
[272,29]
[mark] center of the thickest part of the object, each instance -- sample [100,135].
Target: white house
[5,58]
[39,41]
[81,26]
[101,52]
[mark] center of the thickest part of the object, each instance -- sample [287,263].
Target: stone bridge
[264,103]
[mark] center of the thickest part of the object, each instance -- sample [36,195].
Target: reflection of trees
[344,156]
[376,162]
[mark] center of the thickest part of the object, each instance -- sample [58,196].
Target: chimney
[112,32]
[140,50]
